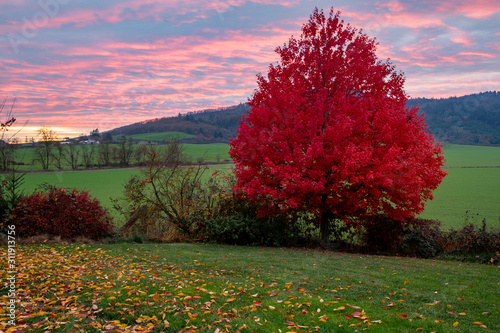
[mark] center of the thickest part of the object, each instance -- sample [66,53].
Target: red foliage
[61,212]
[329,132]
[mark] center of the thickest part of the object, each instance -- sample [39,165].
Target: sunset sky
[76,65]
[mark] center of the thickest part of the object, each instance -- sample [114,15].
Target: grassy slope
[213,288]
[161,136]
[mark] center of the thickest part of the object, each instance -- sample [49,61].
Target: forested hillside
[469,120]
[208,126]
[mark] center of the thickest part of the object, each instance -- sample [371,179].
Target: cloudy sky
[76,65]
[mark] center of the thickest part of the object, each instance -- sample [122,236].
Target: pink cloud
[77,82]
[479,54]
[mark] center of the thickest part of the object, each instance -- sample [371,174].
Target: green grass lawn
[213,288]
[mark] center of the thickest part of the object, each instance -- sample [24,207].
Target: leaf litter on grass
[87,289]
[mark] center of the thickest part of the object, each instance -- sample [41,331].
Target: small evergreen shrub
[61,212]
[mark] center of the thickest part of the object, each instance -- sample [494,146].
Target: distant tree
[104,152]
[329,133]
[95,133]
[58,155]
[73,156]
[115,157]
[125,151]
[108,137]
[45,145]
[88,152]
[140,154]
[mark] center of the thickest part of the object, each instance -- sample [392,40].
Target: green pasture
[160,136]
[460,156]
[471,191]
[210,152]
[466,194]
[101,184]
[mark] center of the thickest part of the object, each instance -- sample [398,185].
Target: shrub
[414,237]
[421,238]
[381,234]
[61,212]
[172,193]
[471,242]
[169,200]
[243,229]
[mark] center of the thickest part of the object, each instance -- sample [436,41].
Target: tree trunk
[123,230]
[326,217]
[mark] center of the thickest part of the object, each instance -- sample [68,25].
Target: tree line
[49,152]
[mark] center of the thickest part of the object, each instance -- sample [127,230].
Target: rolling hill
[467,120]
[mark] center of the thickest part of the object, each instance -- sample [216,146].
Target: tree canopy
[329,132]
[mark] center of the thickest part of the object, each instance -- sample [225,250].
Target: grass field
[472,184]
[459,156]
[472,190]
[161,136]
[213,288]
[210,152]
[101,184]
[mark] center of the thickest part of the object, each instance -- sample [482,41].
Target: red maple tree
[329,132]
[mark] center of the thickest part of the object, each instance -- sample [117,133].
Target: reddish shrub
[61,212]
